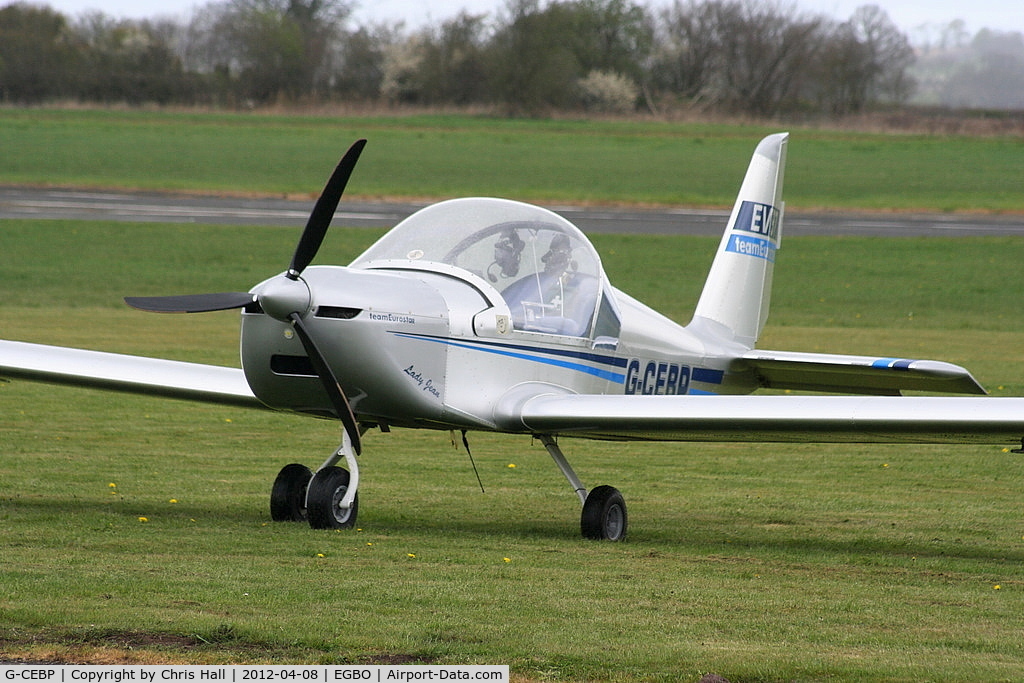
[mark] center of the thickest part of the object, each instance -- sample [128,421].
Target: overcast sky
[909,15]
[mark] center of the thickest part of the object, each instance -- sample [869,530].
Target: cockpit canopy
[543,267]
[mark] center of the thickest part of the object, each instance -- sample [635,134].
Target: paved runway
[57,204]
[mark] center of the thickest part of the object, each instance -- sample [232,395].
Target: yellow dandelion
[143,519]
[511,465]
[369,544]
[320,555]
[227,419]
[996,587]
[173,500]
[410,555]
[507,559]
[112,485]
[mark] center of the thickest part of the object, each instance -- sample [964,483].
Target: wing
[854,374]
[133,374]
[812,419]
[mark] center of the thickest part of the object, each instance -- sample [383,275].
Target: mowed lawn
[445,156]
[136,529]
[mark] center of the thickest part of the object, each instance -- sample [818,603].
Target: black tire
[328,487]
[288,497]
[604,515]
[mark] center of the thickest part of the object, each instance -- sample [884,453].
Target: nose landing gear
[327,500]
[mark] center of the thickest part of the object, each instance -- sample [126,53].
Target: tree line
[753,57]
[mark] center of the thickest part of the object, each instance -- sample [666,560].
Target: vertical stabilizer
[734,303]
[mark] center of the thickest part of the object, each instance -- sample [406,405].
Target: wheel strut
[604,509]
[346,451]
[556,454]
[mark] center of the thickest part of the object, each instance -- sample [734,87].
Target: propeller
[191,303]
[330,382]
[282,299]
[323,211]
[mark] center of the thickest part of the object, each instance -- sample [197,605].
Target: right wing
[119,372]
[810,419]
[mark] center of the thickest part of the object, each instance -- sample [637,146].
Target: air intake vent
[292,365]
[337,312]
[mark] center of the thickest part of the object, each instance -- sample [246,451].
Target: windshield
[544,267]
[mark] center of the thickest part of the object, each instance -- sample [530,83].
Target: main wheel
[604,515]
[328,487]
[288,497]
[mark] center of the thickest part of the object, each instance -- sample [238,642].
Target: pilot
[557,259]
[507,252]
[557,281]
[550,300]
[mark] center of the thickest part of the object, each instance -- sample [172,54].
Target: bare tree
[452,65]
[362,58]
[269,49]
[127,61]
[887,54]
[764,55]
[38,55]
[843,73]
[531,67]
[686,49]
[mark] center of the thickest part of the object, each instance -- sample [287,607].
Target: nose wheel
[299,495]
[288,497]
[328,499]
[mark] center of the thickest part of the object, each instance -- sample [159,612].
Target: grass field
[443,156]
[137,530]
[756,562]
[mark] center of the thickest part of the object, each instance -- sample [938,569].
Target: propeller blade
[191,303]
[323,211]
[330,382]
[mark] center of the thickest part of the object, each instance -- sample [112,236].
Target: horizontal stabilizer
[855,374]
[131,374]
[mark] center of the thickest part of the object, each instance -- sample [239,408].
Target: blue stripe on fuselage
[563,358]
[556,357]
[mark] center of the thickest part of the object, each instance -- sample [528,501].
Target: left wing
[811,419]
[119,372]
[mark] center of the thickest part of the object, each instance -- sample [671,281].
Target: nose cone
[281,296]
[378,331]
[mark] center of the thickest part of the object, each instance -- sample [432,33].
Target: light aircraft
[495,315]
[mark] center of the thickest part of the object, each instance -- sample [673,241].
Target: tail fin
[734,303]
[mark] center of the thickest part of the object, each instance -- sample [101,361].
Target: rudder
[735,301]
